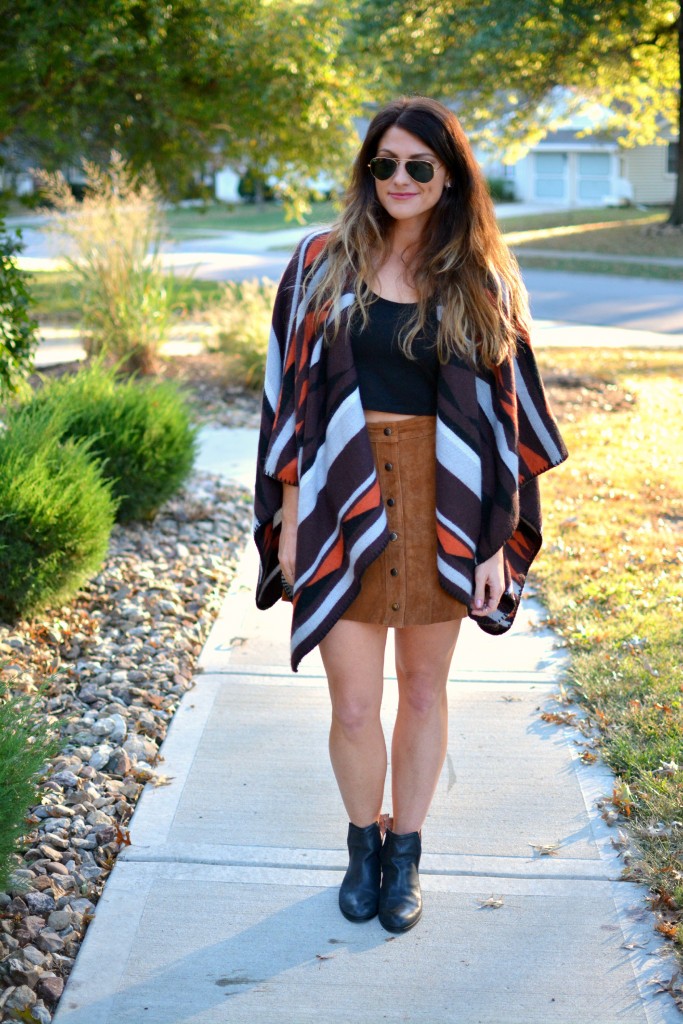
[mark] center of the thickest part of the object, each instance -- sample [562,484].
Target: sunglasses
[384,167]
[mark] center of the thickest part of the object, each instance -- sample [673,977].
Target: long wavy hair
[462,263]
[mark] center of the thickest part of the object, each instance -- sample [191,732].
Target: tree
[500,59]
[170,84]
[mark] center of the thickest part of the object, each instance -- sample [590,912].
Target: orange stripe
[332,562]
[452,545]
[536,463]
[370,500]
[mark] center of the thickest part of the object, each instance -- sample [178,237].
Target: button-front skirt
[401,586]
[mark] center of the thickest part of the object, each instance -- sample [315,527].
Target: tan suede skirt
[401,587]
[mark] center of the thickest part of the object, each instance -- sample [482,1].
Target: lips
[402,195]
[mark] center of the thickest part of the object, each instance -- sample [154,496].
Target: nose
[401,177]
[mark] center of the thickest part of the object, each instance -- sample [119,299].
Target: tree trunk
[676,216]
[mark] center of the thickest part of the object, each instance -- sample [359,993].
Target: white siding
[645,168]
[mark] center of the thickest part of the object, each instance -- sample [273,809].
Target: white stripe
[273,381]
[274,363]
[282,439]
[338,591]
[454,528]
[485,399]
[274,573]
[453,575]
[458,458]
[325,548]
[346,423]
[534,417]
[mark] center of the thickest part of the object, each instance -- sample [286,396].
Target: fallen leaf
[546,849]
[508,698]
[493,902]
[327,956]
[587,757]
[634,945]
[562,697]
[162,780]
[122,835]
[559,717]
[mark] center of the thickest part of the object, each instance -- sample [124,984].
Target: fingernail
[478,603]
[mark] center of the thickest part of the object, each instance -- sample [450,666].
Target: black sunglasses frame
[397,163]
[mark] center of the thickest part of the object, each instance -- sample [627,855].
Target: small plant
[501,190]
[114,239]
[56,515]
[17,328]
[139,431]
[243,317]
[24,750]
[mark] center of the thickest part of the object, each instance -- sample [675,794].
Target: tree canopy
[275,83]
[168,83]
[500,59]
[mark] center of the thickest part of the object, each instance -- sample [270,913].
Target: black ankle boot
[359,892]
[400,898]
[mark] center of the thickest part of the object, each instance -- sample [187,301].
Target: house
[573,169]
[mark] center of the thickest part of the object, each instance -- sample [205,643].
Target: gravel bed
[118,659]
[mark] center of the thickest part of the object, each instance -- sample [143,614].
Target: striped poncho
[495,434]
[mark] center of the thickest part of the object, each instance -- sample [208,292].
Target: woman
[404,427]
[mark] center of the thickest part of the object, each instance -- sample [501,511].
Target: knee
[354,715]
[421,692]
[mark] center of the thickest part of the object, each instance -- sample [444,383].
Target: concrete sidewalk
[224,910]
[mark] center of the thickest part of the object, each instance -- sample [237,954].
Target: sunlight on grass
[611,575]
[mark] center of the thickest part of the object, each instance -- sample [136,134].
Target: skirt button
[393,536]
[387,431]
[395,606]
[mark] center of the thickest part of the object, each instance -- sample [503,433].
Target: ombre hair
[462,264]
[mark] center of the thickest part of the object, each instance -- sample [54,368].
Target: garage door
[551,176]
[594,176]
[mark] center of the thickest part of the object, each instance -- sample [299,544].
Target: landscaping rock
[118,659]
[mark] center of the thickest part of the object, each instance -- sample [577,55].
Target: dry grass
[634,237]
[611,575]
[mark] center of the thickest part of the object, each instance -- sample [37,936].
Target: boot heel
[359,891]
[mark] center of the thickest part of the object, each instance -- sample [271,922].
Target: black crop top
[387,379]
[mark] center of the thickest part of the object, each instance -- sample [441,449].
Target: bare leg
[418,750]
[353,656]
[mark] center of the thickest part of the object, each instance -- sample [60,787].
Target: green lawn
[611,575]
[57,298]
[199,222]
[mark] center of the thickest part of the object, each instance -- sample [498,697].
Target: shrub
[502,190]
[17,329]
[114,240]
[56,515]
[243,317]
[24,750]
[140,431]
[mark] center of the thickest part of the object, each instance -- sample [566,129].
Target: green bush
[24,751]
[17,329]
[501,190]
[140,431]
[243,316]
[56,514]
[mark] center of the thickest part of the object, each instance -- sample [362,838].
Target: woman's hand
[489,584]
[287,545]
